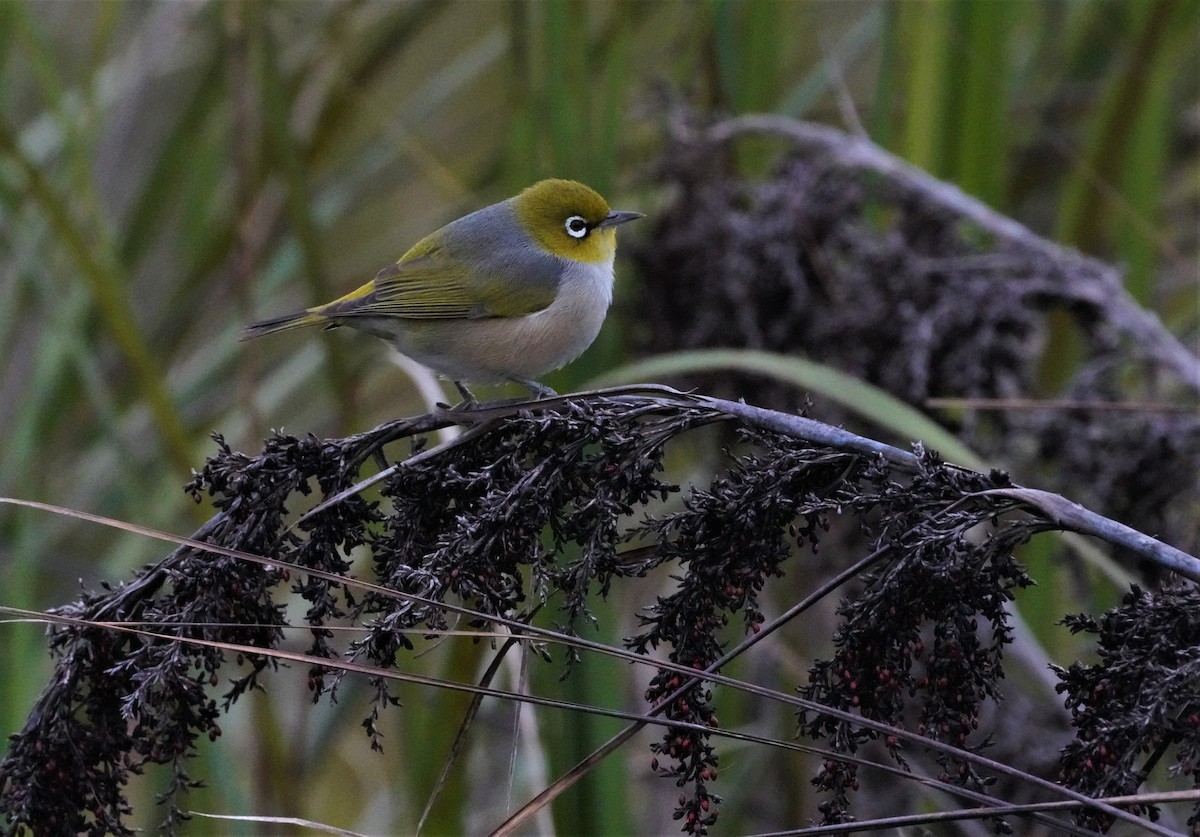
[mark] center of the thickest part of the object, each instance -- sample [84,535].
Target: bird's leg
[469,400]
[536,390]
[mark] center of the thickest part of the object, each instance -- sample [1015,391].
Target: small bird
[506,293]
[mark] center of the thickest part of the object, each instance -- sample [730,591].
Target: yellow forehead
[557,200]
[544,208]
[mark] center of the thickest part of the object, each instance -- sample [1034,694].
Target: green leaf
[866,400]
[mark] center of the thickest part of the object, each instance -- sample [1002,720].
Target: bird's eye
[577,227]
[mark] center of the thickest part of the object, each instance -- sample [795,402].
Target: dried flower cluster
[1139,702]
[914,633]
[884,277]
[531,507]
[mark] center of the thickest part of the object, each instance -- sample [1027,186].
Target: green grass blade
[1144,177]
[866,400]
[287,157]
[928,34]
[980,132]
[109,291]
[851,48]
[144,223]
[1085,208]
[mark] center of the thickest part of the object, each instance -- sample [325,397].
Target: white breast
[499,348]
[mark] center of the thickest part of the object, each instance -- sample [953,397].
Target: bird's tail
[298,319]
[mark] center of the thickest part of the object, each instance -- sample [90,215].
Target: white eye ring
[577,227]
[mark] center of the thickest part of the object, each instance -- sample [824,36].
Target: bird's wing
[429,283]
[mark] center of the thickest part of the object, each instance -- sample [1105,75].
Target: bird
[506,293]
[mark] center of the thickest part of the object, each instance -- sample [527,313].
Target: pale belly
[488,350]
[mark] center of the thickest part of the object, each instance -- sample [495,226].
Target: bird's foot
[536,390]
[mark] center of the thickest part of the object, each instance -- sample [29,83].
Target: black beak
[619,217]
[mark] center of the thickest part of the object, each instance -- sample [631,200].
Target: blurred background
[170,171]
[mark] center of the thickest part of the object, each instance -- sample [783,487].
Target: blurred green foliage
[170,171]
